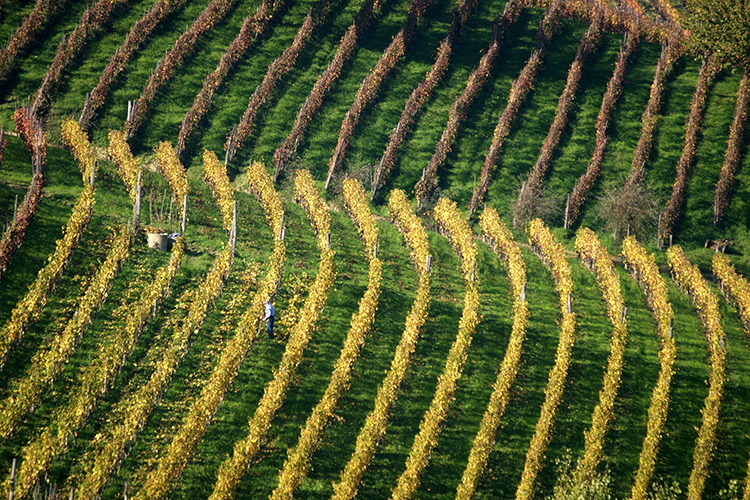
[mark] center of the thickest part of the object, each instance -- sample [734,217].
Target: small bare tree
[633,210]
[529,204]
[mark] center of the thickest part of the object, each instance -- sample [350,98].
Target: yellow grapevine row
[451,222]
[233,469]
[737,287]
[48,363]
[28,309]
[644,270]
[200,415]
[215,175]
[136,409]
[503,244]
[262,185]
[298,461]
[173,171]
[306,195]
[552,254]
[455,227]
[39,454]
[79,146]
[119,151]
[690,279]
[411,227]
[356,204]
[595,255]
[375,424]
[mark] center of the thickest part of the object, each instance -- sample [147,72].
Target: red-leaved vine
[212,14]
[423,91]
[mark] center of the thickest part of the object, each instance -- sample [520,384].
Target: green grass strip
[296,467]
[375,424]
[451,222]
[506,248]
[193,428]
[234,468]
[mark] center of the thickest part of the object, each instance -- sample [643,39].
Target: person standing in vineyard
[270,315]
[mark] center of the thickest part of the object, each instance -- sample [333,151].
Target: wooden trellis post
[137,205]
[233,231]
[12,492]
[85,110]
[93,172]
[230,144]
[183,223]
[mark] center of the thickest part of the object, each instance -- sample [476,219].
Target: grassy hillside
[457,178]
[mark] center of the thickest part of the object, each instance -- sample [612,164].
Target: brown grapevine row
[276,70]
[252,27]
[518,92]
[697,104]
[422,92]
[33,135]
[92,22]
[185,44]
[116,65]
[650,116]
[314,101]
[370,86]
[614,89]
[732,155]
[461,105]
[27,31]
[525,205]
